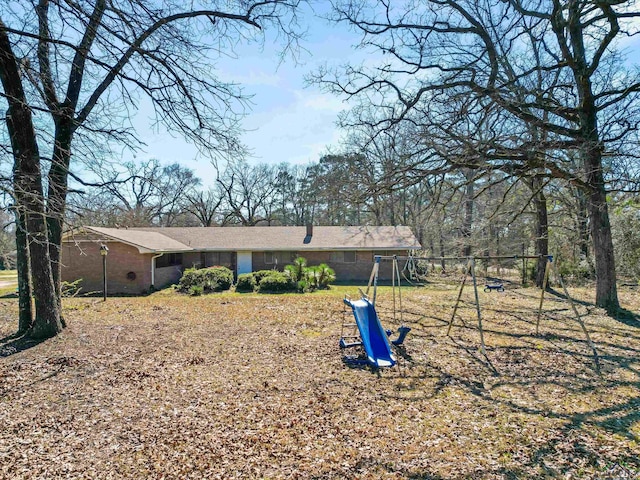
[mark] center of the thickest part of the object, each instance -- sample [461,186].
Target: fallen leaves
[233,386]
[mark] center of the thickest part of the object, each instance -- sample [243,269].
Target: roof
[182,239]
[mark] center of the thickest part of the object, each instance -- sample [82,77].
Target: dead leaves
[228,386]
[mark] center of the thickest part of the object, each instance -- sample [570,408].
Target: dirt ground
[255,386]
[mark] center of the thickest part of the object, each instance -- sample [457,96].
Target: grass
[8,282]
[254,386]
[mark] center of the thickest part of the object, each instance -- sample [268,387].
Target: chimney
[309,230]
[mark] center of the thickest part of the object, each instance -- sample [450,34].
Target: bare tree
[550,65]
[146,193]
[73,71]
[249,192]
[205,206]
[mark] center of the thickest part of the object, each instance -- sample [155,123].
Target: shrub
[319,277]
[276,282]
[246,283]
[577,272]
[296,269]
[303,286]
[212,279]
[325,275]
[260,274]
[221,276]
[196,290]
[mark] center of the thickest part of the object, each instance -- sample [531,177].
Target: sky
[288,120]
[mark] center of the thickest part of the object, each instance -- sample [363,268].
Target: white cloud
[319,101]
[254,77]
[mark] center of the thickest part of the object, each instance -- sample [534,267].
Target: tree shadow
[627,317]
[16,343]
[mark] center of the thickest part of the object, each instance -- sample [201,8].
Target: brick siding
[84,261]
[358,271]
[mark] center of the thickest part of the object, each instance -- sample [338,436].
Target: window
[343,257]
[350,256]
[169,260]
[279,258]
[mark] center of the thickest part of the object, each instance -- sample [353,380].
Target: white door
[244,262]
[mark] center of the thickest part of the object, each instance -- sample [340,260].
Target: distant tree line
[457,212]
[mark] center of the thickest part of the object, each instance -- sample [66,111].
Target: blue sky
[288,121]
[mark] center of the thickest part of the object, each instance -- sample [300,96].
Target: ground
[254,386]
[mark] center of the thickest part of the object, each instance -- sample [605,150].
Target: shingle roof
[177,239]
[145,240]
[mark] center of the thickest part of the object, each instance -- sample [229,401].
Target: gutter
[153,269]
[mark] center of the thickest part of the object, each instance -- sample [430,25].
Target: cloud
[319,101]
[253,78]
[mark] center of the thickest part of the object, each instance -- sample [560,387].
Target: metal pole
[455,307]
[104,278]
[524,267]
[577,314]
[475,291]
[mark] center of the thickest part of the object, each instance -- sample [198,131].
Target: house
[139,259]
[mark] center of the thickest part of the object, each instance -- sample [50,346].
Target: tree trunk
[443,264]
[57,201]
[583,228]
[468,214]
[27,182]
[606,288]
[28,193]
[542,229]
[25,314]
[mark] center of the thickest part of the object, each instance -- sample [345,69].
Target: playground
[256,386]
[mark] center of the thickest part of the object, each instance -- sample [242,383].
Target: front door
[244,262]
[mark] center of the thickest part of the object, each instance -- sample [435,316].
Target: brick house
[141,258]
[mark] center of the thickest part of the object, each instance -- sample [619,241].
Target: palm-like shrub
[325,275]
[296,269]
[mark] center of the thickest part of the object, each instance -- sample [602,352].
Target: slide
[374,337]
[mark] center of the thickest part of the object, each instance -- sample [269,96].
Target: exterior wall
[166,276]
[191,260]
[84,261]
[358,271]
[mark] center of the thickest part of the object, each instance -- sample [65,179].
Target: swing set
[470,272]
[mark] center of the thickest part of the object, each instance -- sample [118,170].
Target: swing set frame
[470,271]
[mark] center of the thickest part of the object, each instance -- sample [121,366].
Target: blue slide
[374,337]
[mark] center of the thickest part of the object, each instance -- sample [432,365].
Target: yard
[254,386]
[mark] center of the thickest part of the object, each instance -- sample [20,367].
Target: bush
[577,272]
[319,277]
[212,279]
[260,274]
[246,283]
[297,269]
[196,291]
[276,282]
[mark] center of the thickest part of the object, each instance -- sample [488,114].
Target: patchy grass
[8,282]
[254,386]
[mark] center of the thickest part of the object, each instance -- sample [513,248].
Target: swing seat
[497,286]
